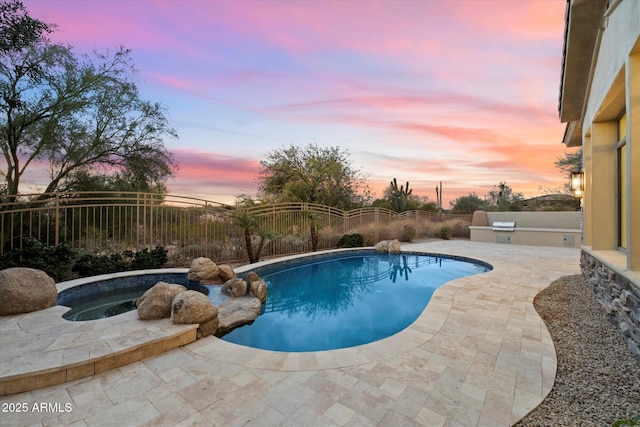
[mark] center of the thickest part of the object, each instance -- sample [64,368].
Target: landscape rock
[190,307]
[237,312]
[258,289]
[234,288]
[252,276]
[203,270]
[207,328]
[388,246]
[155,303]
[24,290]
[226,272]
[382,247]
[394,246]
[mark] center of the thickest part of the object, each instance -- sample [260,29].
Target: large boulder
[258,289]
[394,246]
[155,303]
[226,272]
[234,288]
[388,246]
[190,307]
[203,270]
[23,290]
[207,328]
[236,312]
[252,276]
[382,247]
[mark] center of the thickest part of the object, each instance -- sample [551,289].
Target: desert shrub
[388,232]
[408,233]
[460,229]
[354,240]
[368,231]
[633,421]
[444,232]
[53,260]
[289,244]
[370,237]
[146,259]
[93,265]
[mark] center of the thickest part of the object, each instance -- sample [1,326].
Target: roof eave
[582,20]
[573,134]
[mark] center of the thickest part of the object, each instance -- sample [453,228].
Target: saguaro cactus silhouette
[399,196]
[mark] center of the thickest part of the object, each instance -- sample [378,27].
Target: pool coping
[127,340]
[44,362]
[21,372]
[484,325]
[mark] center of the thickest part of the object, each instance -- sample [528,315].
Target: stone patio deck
[479,355]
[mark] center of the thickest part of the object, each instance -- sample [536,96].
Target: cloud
[212,176]
[459,91]
[534,21]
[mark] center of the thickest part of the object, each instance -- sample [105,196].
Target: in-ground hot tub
[108,295]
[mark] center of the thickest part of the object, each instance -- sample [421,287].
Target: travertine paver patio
[478,355]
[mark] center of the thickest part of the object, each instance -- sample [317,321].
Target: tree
[74,114]
[569,163]
[467,204]
[17,29]
[414,202]
[312,174]
[424,204]
[85,180]
[502,197]
[381,203]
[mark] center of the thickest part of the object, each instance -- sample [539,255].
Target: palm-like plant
[249,224]
[265,237]
[314,226]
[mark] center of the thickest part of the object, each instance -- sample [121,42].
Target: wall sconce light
[576,183]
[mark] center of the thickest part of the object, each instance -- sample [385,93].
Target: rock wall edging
[618,296]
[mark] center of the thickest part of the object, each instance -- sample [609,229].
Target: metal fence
[108,223]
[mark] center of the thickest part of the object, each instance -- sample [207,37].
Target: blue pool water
[347,301]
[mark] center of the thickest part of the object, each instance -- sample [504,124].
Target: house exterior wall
[619,36]
[614,90]
[611,204]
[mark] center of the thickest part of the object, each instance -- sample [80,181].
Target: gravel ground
[598,378]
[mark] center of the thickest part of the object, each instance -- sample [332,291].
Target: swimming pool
[346,299]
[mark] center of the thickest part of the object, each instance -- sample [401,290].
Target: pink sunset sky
[463,92]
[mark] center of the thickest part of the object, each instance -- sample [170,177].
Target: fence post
[377,224]
[206,229]
[151,219]
[137,221]
[57,238]
[345,220]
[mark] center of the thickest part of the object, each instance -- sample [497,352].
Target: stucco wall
[532,228]
[621,31]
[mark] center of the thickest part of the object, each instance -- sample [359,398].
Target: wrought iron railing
[110,222]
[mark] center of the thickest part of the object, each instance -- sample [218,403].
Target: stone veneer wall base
[618,296]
